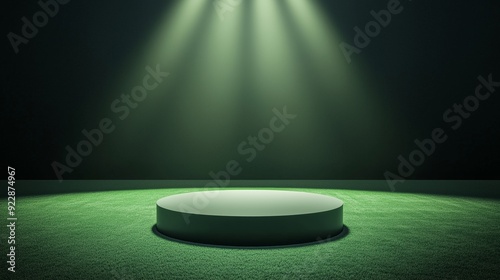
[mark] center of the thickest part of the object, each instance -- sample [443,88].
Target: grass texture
[108,235]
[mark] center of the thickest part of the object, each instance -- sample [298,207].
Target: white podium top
[250,203]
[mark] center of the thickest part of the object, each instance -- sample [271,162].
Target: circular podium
[249,217]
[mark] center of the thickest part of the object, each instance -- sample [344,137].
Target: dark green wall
[424,61]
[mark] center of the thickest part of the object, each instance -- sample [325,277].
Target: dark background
[428,58]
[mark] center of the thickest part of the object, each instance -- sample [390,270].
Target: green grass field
[108,235]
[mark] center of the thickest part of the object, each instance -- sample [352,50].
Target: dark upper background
[426,60]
